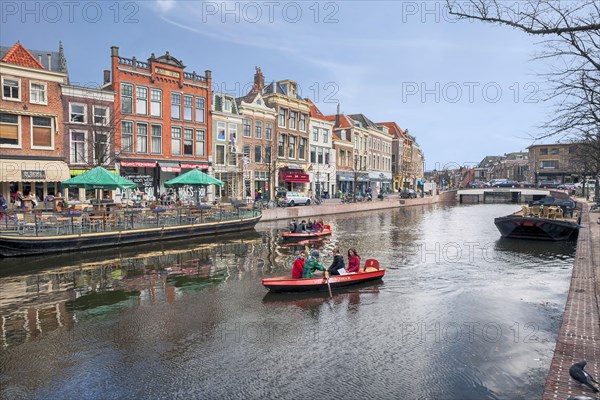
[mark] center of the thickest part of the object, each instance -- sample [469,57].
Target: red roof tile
[19,55]
[315,112]
[394,129]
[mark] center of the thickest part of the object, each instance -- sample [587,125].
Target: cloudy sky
[464,89]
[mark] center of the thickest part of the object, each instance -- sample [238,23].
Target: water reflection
[460,313]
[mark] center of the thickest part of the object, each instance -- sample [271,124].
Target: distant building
[553,162]
[322,155]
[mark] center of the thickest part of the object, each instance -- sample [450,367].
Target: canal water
[460,314]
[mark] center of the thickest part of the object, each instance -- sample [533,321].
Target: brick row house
[259,163]
[164,125]
[31,118]
[291,134]
[322,169]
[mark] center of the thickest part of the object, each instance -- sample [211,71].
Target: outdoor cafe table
[132,213]
[71,214]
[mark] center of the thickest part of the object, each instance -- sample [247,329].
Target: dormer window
[227,106]
[259,102]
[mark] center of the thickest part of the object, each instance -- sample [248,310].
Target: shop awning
[169,166]
[139,164]
[194,166]
[293,176]
[380,176]
[350,176]
[33,171]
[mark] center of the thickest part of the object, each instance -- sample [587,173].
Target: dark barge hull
[288,284]
[21,245]
[518,227]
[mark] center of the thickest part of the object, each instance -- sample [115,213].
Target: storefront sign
[140,164]
[32,174]
[170,169]
[167,72]
[143,181]
[192,166]
[295,177]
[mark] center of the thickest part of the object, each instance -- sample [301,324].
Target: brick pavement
[579,335]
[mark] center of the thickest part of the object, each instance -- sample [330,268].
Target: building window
[9,130]
[282,116]
[200,140]
[126,98]
[220,155]
[269,131]
[247,150]
[247,127]
[227,105]
[313,155]
[549,164]
[175,141]
[156,139]
[176,106]
[320,155]
[101,115]
[78,148]
[101,149]
[127,137]
[258,129]
[293,115]
[41,132]
[555,151]
[77,113]
[155,103]
[37,93]
[267,154]
[292,147]
[199,109]
[221,128]
[188,142]
[188,107]
[141,100]
[302,123]
[257,153]
[142,138]
[544,151]
[315,134]
[11,89]
[327,157]
[232,133]
[325,135]
[281,146]
[302,149]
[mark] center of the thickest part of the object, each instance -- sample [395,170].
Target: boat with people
[307,234]
[371,272]
[41,233]
[546,219]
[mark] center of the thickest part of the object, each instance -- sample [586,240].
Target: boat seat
[371,265]
[536,211]
[526,211]
[326,227]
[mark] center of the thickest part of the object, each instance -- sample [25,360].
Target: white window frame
[203,109]
[281,118]
[94,155]
[222,124]
[190,108]
[84,113]
[107,115]
[227,105]
[45,85]
[180,150]
[132,86]
[19,139]
[85,146]
[51,147]
[156,102]
[132,148]
[146,99]
[152,137]
[203,141]
[138,136]
[11,79]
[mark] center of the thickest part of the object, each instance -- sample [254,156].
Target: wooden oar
[328,284]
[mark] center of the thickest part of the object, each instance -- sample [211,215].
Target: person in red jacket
[353,261]
[299,265]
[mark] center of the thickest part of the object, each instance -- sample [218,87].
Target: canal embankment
[334,206]
[579,335]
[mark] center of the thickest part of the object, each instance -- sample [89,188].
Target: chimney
[106,76]
[40,58]
[208,74]
[259,81]
[114,51]
[49,61]
[337,116]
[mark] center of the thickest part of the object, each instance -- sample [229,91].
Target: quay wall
[336,207]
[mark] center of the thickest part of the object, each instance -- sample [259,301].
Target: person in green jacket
[312,265]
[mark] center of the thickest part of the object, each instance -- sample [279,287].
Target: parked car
[280,192]
[408,194]
[548,184]
[526,184]
[292,199]
[506,183]
[476,185]
[567,186]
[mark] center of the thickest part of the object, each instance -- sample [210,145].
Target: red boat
[289,284]
[307,235]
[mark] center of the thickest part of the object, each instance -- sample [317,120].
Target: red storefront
[293,179]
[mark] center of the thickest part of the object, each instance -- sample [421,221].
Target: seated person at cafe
[337,264]
[312,266]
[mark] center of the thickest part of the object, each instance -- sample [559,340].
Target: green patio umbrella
[194,177]
[99,178]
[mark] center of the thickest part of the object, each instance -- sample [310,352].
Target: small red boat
[307,235]
[289,284]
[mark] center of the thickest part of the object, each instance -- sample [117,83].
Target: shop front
[294,179]
[37,177]
[380,181]
[144,173]
[350,181]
